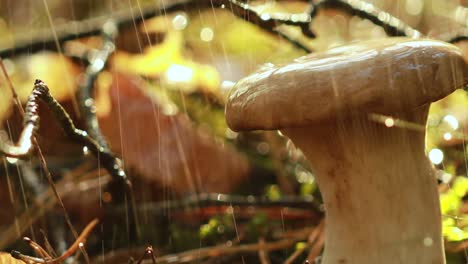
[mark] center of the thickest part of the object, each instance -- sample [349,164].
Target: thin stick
[86,89]
[12,88]
[37,248]
[148,252]
[79,243]
[49,247]
[223,250]
[262,253]
[44,203]
[317,247]
[311,240]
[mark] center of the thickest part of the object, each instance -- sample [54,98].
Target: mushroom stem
[378,188]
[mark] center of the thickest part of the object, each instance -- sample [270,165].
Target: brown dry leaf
[167,149]
[6,258]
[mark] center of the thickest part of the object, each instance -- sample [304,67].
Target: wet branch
[86,89]
[45,258]
[31,124]
[45,40]
[390,24]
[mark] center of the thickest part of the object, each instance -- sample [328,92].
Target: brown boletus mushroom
[378,187]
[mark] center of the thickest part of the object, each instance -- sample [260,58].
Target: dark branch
[218,199]
[97,62]
[44,40]
[454,37]
[392,25]
[31,124]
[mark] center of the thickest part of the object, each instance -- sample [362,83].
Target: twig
[192,255]
[310,242]
[262,253]
[454,37]
[86,89]
[79,243]
[207,199]
[390,24]
[148,252]
[48,246]
[45,202]
[31,123]
[269,22]
[88,108]
[44,40]
[11,87]
[37,248]
[317,247]
[27,140]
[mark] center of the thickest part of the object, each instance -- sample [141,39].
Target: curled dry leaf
[167,148]
[6,258]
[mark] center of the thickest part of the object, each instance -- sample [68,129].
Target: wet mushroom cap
[377,76]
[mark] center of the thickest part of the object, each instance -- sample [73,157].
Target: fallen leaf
[167,149]
[6,258]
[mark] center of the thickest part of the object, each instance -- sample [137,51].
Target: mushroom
[379,189]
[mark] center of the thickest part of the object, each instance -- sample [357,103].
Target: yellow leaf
[6,258]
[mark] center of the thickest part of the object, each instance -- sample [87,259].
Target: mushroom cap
[377,76]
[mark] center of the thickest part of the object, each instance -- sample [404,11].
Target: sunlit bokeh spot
[414,7]
[447,136]
[207,34]
[179,73]
[446,177]
[231,134]
[265,16]
[428,241]
[436,156]
[452,121]
[85,150]
[227,85]
[263,148]
[180,22]
[389,122]
[11,160]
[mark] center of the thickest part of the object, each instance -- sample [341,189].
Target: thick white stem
[379,191]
